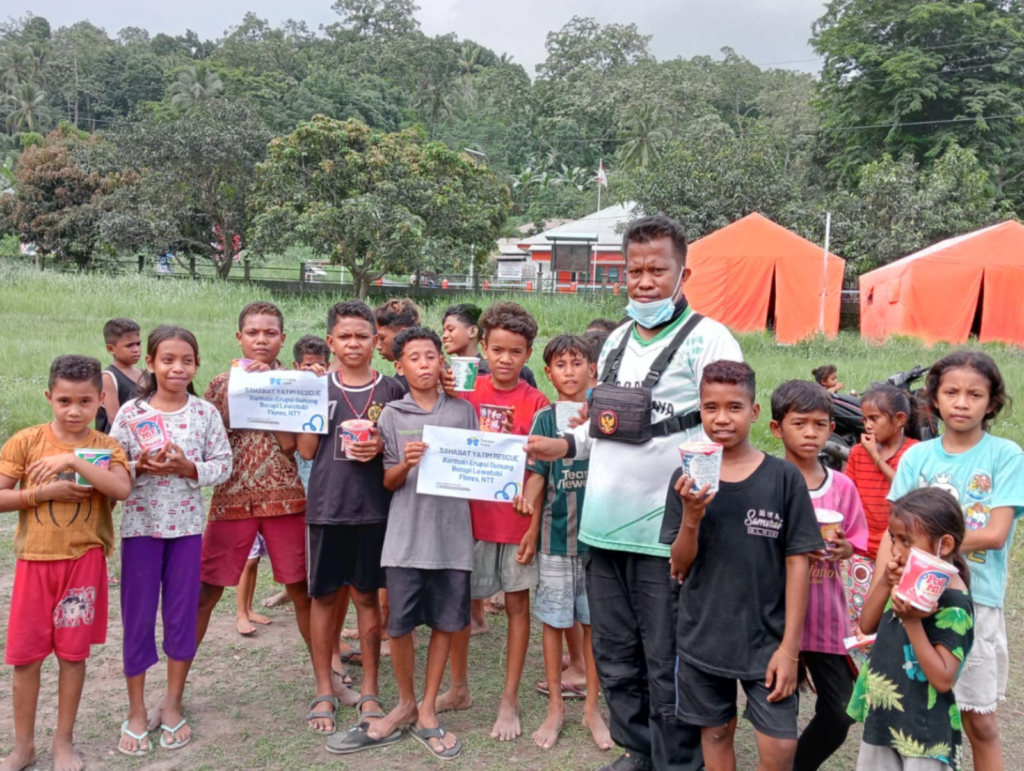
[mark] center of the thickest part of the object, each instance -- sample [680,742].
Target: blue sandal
[140,738]
[173,745]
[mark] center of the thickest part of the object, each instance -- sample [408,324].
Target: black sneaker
[629,761]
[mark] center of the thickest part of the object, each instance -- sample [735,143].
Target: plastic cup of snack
[355,431]
[99,458]
[925,578]
[830,523]
[492,418]
[702,462]
[149,432]
[242,363]
[564,412]
[465,370]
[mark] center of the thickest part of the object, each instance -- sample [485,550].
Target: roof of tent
[736,270]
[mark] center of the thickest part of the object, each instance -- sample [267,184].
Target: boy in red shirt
[504,550]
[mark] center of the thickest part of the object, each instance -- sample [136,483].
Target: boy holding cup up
[742,555]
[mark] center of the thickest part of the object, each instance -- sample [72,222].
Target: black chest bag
[625,414]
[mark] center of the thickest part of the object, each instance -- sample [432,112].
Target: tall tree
[374,201]
[194,85]
[197,174]
[914,75]
[58,199]
[643,132]
[29,110]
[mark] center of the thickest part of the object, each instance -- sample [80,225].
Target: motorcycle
[849,418]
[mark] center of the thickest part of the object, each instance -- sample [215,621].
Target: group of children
[764,599]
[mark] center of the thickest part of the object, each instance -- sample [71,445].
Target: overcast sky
[765,31]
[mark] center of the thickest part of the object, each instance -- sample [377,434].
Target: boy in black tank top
[120,379]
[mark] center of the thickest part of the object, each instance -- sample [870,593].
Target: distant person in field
[64,536]
[634,632]
[121,378]
[827,376]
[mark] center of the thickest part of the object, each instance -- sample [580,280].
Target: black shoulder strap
[611,365]
[658,368]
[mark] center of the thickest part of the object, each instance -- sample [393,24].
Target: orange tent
[971,283]
[753,273]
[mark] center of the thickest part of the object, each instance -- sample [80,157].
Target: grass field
[247,697]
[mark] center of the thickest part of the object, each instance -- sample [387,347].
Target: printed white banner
[476,465]
[278,400]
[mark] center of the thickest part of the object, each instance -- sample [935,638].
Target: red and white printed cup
[356,431]
[925,578]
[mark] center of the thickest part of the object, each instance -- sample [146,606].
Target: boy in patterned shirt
[264,495]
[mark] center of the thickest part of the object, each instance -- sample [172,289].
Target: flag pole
[593,278]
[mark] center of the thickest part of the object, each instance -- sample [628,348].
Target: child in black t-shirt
[741,555]
[346,519]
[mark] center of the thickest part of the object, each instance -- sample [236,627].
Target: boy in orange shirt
[65,533]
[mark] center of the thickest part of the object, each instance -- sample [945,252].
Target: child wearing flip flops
[346,519]
[162,530]
[428,549]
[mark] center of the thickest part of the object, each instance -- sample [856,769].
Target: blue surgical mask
[653,314]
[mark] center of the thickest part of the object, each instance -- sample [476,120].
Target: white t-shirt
[628,483]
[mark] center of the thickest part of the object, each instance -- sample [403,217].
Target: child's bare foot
[385,648]
[598,729]
[350,634]
[566,661]
[546,736]
[278,599]
[244,627]
[153,716]
[340,684]
[257,618]
[66,757]
[507,727]
[171,716]
[399,717]
[495,604]
[20,758]
[477,627]
[454,699]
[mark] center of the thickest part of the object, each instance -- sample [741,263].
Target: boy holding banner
[428,549]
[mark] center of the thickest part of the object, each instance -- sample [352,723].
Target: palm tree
[194,84]
[469,59]
[433,100]
[643,131]
[28,107]
[16,65]
[505,58]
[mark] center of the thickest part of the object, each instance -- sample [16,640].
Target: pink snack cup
[925,578]
[149,432]
[356,431]
[241,363]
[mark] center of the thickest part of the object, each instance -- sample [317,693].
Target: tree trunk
[223,266]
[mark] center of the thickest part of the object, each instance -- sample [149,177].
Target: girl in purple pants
[162,529]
